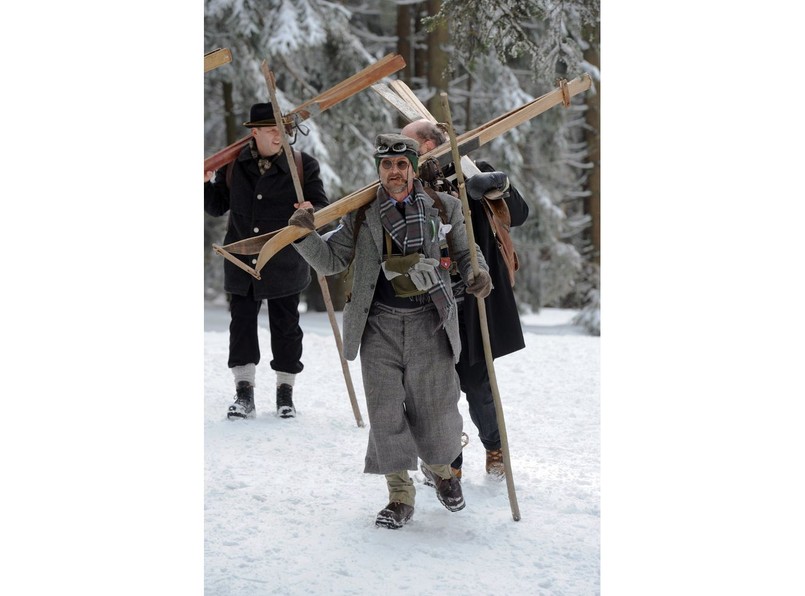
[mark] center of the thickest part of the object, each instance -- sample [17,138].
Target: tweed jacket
[334,255]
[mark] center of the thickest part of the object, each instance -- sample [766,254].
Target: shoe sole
[451,507]
[285,413]
[388,521]
[239,416]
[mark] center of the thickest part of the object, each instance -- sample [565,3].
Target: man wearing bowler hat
[401,318]
[258,192]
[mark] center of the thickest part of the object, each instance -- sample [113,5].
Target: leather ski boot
[244,402]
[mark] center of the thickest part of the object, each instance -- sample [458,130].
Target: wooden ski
[413,109]
[396,101]
[410,98]
[216,58]
[268,245]
[345,89]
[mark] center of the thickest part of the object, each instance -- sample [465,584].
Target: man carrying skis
[258,192]
[401,316]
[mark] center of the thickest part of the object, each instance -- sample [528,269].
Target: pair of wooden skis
[266,246]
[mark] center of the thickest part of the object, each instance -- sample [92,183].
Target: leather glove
[425,274]
[480,184]
[480,287]
[302,218]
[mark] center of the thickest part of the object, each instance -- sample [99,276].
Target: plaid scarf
[407,232]
[263,163]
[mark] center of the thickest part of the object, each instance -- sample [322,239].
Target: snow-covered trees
[490,56]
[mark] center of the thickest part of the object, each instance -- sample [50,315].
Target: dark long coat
[503,318]
[258,205]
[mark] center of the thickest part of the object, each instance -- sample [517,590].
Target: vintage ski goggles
[395,148]
[402,164]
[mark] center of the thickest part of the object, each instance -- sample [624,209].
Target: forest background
[489,56]
[102,321]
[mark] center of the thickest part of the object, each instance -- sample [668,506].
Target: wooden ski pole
[325,292]
[490,363]
[300,198]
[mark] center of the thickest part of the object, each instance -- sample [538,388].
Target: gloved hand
[425,274]
[302,218]
[480,287]
[480,184]
[421,270]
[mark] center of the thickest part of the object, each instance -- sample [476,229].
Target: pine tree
[515,47]
[310,46]
[501,54]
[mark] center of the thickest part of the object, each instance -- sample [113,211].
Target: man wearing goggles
[401,318]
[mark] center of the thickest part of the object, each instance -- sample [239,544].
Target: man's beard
[397,186]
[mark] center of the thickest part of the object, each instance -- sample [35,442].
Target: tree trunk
[437,62]
[420,53]
[405,47]
[593,137]
[233,131]
[468,104]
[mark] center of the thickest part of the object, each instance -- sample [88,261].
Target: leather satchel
[497,212]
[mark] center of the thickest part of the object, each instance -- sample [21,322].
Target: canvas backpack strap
[446,251]
[297,157]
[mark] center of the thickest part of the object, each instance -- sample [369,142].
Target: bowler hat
[261,114]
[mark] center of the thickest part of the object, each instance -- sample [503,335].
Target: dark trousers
[474,381]
[283,325]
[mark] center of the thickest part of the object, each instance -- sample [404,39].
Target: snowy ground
[288,509]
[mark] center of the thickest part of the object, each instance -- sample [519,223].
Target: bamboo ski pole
[300,198]
[490,363]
